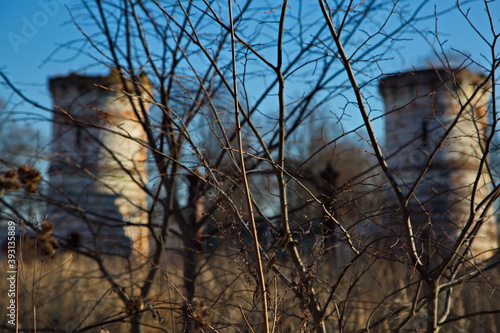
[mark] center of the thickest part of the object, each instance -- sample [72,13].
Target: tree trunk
[190,264]
[433,307]
[136,325]
[192,238]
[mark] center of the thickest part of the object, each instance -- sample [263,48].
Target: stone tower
[98,163]
[420,107]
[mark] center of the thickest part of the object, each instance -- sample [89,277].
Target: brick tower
[421,107]
[98,164]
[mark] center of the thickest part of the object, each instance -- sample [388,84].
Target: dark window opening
[425,138]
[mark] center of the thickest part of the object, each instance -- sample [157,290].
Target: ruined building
[98,163]
[421,107]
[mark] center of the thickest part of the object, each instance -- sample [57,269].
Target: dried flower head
[200,313]
[28,175]
[47,227]
[47,243]
[9,184]
[31,188]
[10,173]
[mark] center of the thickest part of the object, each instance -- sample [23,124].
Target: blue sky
[31,30]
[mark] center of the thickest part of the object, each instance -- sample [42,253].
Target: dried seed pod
[10,173]
[47,243]
[28,175]
[200,313]
[31,188]
[9,184]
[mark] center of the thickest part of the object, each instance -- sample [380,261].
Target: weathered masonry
[421,107]
[98,163]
